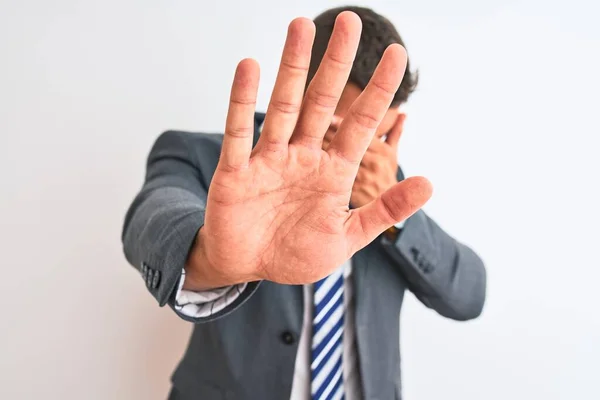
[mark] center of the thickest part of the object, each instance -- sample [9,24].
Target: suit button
[155,279]
[288,337]
[415,253]
[149,277]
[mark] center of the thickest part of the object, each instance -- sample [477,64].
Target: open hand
[280,211]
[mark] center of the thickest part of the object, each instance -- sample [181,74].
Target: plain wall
[504,123]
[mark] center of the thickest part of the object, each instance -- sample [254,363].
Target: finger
[369,160]
[326,87]
[361,177]
[376,146]
[239,128]
[393,206]
[286,99]
[394,136]
[365,115]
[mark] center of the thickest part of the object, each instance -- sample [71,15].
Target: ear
[394,136]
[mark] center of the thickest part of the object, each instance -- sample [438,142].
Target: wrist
[197,267]
[201,273]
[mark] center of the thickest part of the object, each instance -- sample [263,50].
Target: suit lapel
[360,270]
[400,174]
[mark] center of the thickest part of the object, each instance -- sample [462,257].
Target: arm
[270,208]
[444,274]
[162,222]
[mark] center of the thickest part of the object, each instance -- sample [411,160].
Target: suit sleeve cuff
[204,304]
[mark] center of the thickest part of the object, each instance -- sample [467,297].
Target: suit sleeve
[161,224]
[444,274]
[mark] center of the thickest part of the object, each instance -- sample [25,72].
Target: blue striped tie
[327,380]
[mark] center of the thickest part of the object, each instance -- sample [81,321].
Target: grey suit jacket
[248,350]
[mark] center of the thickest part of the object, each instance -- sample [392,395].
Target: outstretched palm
[280,212]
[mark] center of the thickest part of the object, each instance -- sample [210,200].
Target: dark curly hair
[377,34]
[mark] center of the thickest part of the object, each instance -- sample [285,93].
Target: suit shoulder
[173,139]
[190,146]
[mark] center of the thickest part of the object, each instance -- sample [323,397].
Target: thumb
[394,136]
[395,205]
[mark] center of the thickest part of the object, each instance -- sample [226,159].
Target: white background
[505,124]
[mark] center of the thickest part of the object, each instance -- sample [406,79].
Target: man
[291,249]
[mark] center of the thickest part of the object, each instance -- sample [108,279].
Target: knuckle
[285,107]
[344,158]
[243,101]
[390,208]
[337,61]
[323,100]
[365,119]
[240,131]
[396,205]
[230,169]
[270,142]
[387,88]
[294,67]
